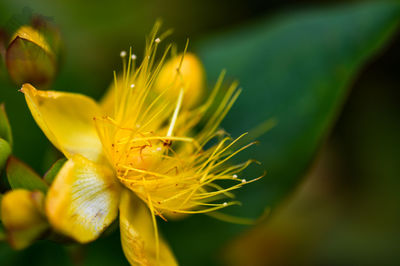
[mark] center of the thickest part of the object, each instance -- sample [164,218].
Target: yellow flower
[137,152]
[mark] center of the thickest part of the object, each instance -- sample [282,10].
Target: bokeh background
[326,73]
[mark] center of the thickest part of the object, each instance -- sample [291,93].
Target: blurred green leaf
[296,69]
[5,151]
[2,233]
[5,128]
[110,249]
[43,253]
[2,229]
[1,226]
[53,171]
[22,176]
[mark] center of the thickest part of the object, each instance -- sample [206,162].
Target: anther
[225,204]
[235,176]
[133,57]
[157,40]
[244,181]
[122,54]
[132,85]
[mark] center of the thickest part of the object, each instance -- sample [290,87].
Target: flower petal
[83,199]
[137,234]
[32,35]
[67,120]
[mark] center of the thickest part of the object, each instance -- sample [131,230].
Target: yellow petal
[83,199]
[32,35]
[67,120]
[21,213]
[137,234]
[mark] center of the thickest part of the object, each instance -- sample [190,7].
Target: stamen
[138,138]
[122,54]
[175,115]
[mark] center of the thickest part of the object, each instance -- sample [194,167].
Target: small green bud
[30,58]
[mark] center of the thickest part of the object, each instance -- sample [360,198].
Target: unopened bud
[30,58]
[50,32]
[22,217]
[188,76]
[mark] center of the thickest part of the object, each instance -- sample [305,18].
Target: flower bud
[50,32]
[189,76]
[22,216]
[30,59]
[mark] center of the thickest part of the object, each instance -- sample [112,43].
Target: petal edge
[83,199]
[137,234]
[67,120]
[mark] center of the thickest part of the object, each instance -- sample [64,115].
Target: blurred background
[325,71]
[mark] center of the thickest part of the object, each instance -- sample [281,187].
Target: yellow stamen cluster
[149,138]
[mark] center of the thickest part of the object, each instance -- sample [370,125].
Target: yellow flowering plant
[148,149]
[152,148]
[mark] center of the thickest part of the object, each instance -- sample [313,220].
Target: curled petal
[83,199]
[32,35]
[137,234]
[67,120]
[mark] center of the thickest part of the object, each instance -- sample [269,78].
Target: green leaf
[5,128]
[5,151]
[297,70]
[53,171]
[2,233]
[1,197]
[22,176]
